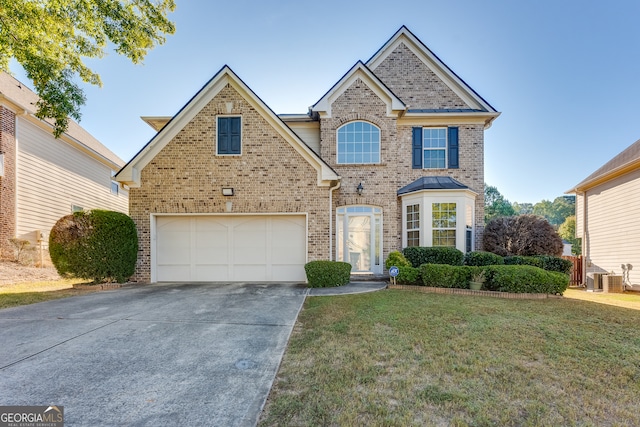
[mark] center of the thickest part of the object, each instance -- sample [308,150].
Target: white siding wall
[309,132]
[53,176]
[579,215]
[613,226]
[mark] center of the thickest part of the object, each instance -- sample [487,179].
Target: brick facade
[8,181]
[404,74]
[269,177]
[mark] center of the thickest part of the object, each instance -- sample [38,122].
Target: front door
[359,238]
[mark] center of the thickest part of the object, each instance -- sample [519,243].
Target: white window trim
[455,228]
[406,222]
[379,144]
[446,148]
[342,216]
[241,136]
[425,198]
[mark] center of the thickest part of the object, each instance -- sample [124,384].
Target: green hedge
[418,255]
[557,264]
[99,245]
[523,260]
[325,274]
[482,258]
[524,279]
[408,275]
[446,276]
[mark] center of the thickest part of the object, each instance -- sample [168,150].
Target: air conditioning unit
[612,283]
[597,281]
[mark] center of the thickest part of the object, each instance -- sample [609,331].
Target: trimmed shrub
[525,235]
[557,264]
[418,255]
[408,275]
[396,258]
[446,276]
[98,245]
[482,258]
[326,274]
[524,279]
[523,260]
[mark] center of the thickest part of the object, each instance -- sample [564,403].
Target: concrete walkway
[154,355]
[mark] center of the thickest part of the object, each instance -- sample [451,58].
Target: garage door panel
[206,273]
[236,248]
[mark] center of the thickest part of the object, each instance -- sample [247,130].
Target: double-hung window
[413,225]
[358,143]
[435,148]
[444,224]
[229,132]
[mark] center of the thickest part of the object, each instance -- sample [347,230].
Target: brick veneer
[269,177]
[407,76]
[8,181]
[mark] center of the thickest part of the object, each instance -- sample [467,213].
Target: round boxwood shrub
[396,258]
[325,274]
[98,245]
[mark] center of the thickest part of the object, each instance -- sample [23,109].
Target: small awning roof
[432,183]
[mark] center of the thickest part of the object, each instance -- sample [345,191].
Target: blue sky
[564,74]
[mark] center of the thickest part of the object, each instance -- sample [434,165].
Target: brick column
[8,181]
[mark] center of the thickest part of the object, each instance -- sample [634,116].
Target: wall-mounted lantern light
[227,191]
[359,189]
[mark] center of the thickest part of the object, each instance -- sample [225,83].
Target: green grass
[33,292]
[397,358]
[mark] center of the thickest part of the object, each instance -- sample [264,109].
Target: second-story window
[229,136]
[358,143]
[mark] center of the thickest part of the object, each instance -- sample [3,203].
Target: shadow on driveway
[161,355]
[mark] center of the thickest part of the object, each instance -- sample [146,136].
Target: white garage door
[230,248]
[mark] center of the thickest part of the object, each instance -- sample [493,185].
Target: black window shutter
[235,135]
[416,148]
[229,135]
[453,148]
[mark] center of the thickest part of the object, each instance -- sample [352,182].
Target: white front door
[359,238]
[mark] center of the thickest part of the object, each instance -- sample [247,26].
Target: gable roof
[394,105]
[130,174]
[20,97]
[627,161]
[431,60]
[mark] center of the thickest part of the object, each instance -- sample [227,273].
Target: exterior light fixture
[227,191]
[359,189]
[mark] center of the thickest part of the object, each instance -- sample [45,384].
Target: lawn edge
[456,291]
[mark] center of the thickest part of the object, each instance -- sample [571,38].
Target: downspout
[335,187]
[585,254]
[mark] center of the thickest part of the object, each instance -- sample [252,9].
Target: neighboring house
[608,217]
[391,156]
[43,178]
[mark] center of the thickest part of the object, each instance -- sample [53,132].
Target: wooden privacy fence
[576,271]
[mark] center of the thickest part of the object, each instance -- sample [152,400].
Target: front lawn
[32,292]
[397,358]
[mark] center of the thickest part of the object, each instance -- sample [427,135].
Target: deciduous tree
[51,38]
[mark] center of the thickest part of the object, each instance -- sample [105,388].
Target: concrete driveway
[154,355]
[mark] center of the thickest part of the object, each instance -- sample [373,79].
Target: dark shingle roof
[432,183]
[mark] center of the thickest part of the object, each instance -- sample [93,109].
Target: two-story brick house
[391,156]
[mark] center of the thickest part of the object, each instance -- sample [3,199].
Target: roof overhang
[131,173]
[395,107]
[435,183]
[444,117]
[601,179]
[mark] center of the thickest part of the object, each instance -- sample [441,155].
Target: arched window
[358,143]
